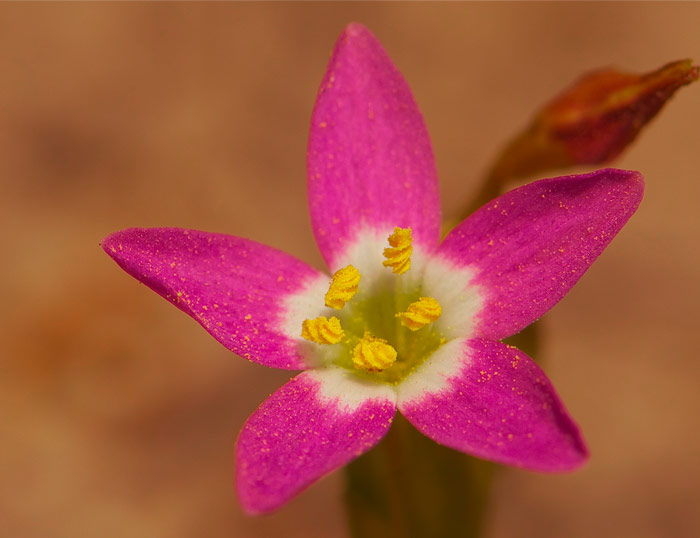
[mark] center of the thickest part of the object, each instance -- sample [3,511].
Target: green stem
[411,487]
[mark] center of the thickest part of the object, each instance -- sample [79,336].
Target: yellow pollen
[373,354]
[345,284]
[398,256]
[322,330]
[419,314]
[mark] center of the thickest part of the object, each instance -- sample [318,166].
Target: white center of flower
[385,331]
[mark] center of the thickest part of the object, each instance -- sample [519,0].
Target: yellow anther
[373,354]
[322,330]
[398,256]
[425,310]
[344,286]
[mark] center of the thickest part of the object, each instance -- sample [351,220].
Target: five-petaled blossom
[406,322]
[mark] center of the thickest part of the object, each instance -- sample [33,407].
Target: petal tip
[633,178]
[627,175]
[568,455]
[117,244]
[576,460]
[631,181]
[584,457]
[110,244]
[567,459]
[356,36]
[355,29]
[252,506]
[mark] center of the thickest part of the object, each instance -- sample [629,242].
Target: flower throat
[383,335]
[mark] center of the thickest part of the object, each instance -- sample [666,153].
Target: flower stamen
[419,314]
[373,354]
[345,284]
[322,330]
[398,256]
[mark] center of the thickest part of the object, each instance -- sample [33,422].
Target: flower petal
[237,289]
[527,248]
[312,425]
[492,401]
[370,162]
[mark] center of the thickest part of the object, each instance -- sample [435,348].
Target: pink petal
[370,162]
[317,422]
[235,288]
[492,401]
[531,245]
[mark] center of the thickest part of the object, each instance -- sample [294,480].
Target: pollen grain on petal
[346,282]
[322,330]
[398,255]
[421,313]
[373,354]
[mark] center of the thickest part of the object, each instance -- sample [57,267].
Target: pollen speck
[398,255]
[421,313]
[373,354]
[322,330]
[346,282]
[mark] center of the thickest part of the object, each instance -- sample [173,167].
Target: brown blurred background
[119,413]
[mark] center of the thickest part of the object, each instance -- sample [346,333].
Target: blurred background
[119,413]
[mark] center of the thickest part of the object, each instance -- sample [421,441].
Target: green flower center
[382,333]
[375,314]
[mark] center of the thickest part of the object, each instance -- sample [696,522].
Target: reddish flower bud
[593,121]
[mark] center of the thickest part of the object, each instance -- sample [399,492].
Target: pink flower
[414,323]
